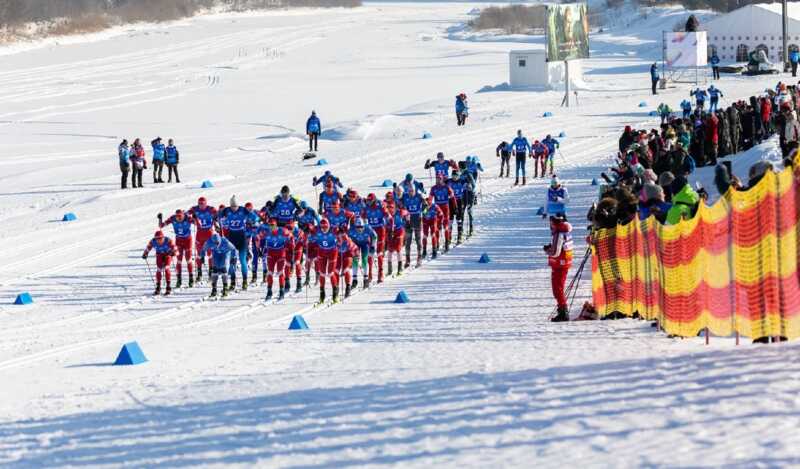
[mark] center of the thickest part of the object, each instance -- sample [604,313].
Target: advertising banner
[567,31]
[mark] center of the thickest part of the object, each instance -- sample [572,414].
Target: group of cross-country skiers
[345,235]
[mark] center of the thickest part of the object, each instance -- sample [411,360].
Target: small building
[757,26]
[530,69]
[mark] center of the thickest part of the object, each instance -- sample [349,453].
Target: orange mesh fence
[731,268]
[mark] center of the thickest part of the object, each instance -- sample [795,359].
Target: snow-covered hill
[469,373]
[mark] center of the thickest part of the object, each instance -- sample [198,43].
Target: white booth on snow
[530,69]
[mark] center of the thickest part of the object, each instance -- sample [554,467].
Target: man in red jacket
[559,253]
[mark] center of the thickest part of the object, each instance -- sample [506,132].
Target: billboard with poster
[567,31]
[686,49]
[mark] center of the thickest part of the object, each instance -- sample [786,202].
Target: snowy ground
[470,373]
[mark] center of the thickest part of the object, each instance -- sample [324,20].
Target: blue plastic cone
[643,104]
[401,298]
[322,162]
[562,135]
[653,114]
[547,114]
[69,217]
[387,183]
[594,181]
[298,323]
[540,211]
[485,259]
[207,184]
[23,298]
[130,354]
[426,135]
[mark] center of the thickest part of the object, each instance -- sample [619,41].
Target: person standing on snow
[173,156]
[462,109]
[664,111]
[794,59]
[138,163]
[557,198]
[504,153]
[654,77]
[559,253]
[686,107]
[714,61]
[714,94]
[124,154]
[222,251]
[165,249]
[521,150]
[313,130]
[159,154]
[551,144]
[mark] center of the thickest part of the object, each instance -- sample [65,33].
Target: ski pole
[147,263]
[561,154]
[578,276]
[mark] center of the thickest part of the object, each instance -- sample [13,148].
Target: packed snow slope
[470,373]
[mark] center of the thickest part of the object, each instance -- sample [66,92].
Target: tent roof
[756,19]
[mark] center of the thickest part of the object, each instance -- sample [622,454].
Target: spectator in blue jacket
[462,109]
[714,60]
[794,59]
[124,153]
[173,156]
[313,129]
[159,153]
[654,77]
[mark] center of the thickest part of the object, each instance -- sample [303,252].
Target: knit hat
[650,175]
[665,179]
[653,191]
[554,182]
[233,202]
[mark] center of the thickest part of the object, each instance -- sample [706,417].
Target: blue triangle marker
[643,104]
[23,298]
[562,135]
[485,259]
[594,182]
[387,183]
[69,217]
[130,354]
[540,211]
[427,135]
[298,323]
[547,114]
[207,184]
[322,162]
[653,114]
[402,298]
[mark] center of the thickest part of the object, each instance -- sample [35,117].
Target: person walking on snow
[700,98]
[551,144]
[165,249]
[124,153]
[654,77]
[521,150]
[504,153]
[222,251]
[138,163]
[313,129]
[159,155]
[557,197]
[182,225]
[173,156]
[559,253]
[714,94]
[462,109]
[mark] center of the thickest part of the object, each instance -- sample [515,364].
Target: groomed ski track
[470,373]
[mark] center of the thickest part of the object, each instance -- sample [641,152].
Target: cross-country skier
[552,145]
[313,129]
[172,160]
[239,221]
[700,96]
[365,239]
[203,216]
[159,154]
[444,197]
[344,262]
[328,197]
[539,154]
[559,253]
[353,203]
[468,197]
[306,216]
[557,197]
[295,257]
[441,166]
[274,244]
[284,207]
[409,181]
[326,176]
[327,254]
[431,217]
[124,153]
[504,153]
[462,110]
[714,94]
[396,238]
[222,252]
[521,150]
[686,107]
[413,203]
[459,186]
[165,249]
[338,218]
[377,218]
[182,225]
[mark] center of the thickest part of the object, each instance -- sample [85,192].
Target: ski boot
[225,289]
[269,294]
[523,180]
[264,278]
[321,295]
[347,289]
[471,231]
[288,286]
[299,287]
[179,282]
[408,259]
[232,286]
[425,251]
[213,292]
[335,295]
[399,268]
[446,246]
[158,290]
[199,276]
[388,271]
[366,282]
[191,281]
[433,256]
[281,294]
[254,278]
[244,283]
[354,283]
[562,315]
[307,279]
[460,233]
[168,290]
[516,183]
[419,263]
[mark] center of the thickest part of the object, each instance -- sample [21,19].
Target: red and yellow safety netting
[731,268]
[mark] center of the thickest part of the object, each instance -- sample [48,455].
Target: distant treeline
[513,19]
[716,5]
[86,15]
